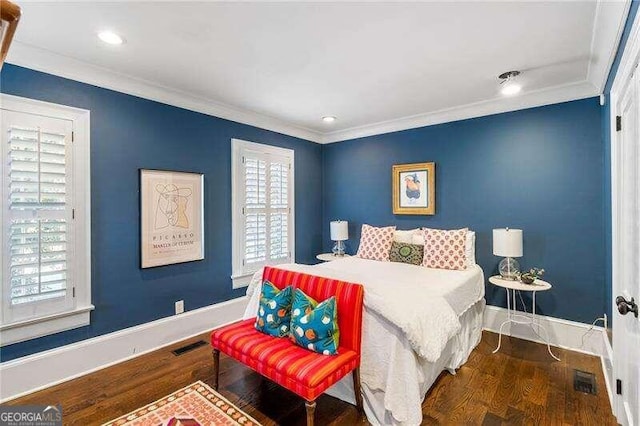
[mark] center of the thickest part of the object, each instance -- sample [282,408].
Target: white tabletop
[328,257]
[538,285]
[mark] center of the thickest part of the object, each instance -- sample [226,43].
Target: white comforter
[412,298]
[423,304]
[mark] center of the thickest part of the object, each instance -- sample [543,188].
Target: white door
[626,253]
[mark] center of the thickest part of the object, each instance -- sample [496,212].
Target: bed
[418,322]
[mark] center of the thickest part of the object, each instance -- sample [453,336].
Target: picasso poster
[414,188]
[171,217]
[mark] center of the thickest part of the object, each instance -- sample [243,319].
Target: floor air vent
[189,347]
[584,381]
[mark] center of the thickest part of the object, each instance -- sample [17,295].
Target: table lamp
[508,243]
[339,233]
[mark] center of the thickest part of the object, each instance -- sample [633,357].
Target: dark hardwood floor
[521,384]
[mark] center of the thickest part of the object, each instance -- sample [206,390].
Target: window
[45,219]
[263,214]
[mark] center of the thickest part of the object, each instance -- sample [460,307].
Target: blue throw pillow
[314,325]
[274,312]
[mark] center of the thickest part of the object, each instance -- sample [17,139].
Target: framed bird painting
[414,188]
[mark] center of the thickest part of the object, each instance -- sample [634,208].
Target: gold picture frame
[414,188]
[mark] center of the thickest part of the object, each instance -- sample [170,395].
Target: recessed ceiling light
[510,89]
[110,37]
[509,84]
[328,119]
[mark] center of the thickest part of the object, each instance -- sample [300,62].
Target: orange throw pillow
[375,243]
[445,249]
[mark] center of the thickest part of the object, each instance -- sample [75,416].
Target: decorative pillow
[400,236]
[445,249]
[406,253]
[274,312]
[315,325]
[375,243]
[469,245]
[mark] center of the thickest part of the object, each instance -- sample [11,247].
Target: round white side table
[519,317]
[328,257]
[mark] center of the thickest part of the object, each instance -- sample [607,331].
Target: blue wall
[539,169]
[128,133]
[606,137]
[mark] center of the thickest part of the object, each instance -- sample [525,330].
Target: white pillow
[469,245]
[470,248]
[407,237]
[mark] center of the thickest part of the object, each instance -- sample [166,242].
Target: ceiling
[377,67]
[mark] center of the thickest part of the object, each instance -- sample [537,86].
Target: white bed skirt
[398,401]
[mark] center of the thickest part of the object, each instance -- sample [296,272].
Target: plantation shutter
[266,210]
[37,210]
[255,237]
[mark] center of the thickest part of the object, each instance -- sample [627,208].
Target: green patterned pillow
[274,312]
[406,253]
[315,325]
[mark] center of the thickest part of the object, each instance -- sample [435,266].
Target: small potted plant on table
[531,275]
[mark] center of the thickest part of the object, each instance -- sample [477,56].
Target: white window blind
[279,210]
[38,244]
[37,205]
[46,239]
[263,206]
[255,210]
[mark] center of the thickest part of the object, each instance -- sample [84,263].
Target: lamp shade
[507,242]
[339,230]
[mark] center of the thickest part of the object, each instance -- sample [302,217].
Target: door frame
[628,63]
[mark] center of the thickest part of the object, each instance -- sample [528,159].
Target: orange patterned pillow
[375,243]
[445,249]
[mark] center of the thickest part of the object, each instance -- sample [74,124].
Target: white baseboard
[35,372]
[563,333]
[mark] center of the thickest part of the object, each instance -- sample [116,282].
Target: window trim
[79,315]
[239,276]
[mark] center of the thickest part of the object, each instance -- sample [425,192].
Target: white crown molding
[44,369]
[52,63]
[548,96]
[608,26]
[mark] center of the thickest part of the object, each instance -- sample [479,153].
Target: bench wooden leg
[358,389]
[311,410]
[216,368]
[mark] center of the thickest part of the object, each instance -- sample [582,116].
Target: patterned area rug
[194,405]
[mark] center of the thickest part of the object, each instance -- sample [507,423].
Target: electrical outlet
[179,307]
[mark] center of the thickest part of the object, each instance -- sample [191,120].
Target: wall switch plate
[179,307]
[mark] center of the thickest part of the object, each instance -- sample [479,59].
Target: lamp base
[509,268]
[338,248]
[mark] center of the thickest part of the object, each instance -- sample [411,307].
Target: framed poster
[414,188]
[171,217]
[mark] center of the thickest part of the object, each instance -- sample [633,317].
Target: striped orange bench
[306,373]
